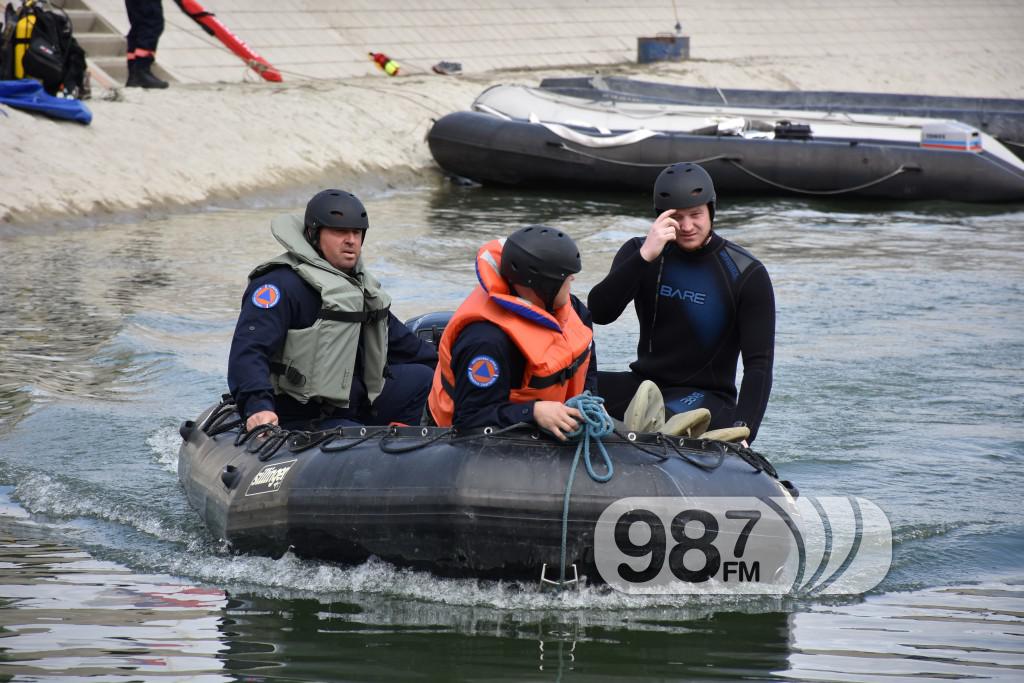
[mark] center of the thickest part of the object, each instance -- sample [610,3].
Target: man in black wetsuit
[702,302]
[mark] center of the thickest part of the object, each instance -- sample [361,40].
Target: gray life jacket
[317,362]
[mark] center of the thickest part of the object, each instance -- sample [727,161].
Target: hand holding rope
[596,425]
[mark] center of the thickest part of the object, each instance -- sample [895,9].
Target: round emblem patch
[266,296]
[483,371]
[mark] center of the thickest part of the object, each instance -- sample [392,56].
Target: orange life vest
[556,346]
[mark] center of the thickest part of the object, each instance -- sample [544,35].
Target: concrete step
[116,68]
[86,21]
[101,44]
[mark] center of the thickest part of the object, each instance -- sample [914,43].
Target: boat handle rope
[738,163]
[454,435]
[214,423]
[270,446]
[903,168]
[263,440]
[223,425]
[596,425]
[214,415]
[567,148]
[327,446]
[630,438]
[244,436]
[386,446]
[708,467]
[303,441]
[752,458]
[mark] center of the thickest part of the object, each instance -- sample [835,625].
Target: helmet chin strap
[312,236]
[547,298]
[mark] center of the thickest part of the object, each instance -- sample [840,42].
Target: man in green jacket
[316,345]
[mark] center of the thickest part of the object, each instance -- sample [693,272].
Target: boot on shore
[140,74]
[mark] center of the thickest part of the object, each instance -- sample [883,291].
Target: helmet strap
[546,296]
[312,236]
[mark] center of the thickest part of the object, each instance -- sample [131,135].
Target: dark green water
[899,379]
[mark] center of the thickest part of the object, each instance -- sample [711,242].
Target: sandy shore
[190,145]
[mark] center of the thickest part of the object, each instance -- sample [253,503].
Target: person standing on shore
[146,19]
[701,300]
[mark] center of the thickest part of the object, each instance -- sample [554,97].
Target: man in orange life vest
[520,345]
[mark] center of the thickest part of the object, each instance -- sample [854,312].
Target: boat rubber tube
[474,503]
[214,27]
[515,152]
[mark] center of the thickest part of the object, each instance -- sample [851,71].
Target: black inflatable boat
[528,137]
[482,503]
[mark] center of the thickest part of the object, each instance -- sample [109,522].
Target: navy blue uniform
[484,406]
[146,21]
[261,332]
[698,312]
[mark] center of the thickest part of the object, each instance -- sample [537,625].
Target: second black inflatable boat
[519,136]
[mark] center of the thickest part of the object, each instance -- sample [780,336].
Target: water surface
[898,378]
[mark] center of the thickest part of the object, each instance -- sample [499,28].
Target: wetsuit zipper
[654,316]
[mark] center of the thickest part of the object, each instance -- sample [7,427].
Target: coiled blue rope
[596,425]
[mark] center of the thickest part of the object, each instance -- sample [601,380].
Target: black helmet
[334,209]
[540,257]
[681,186]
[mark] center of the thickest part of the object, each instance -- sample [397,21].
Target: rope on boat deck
[596,425]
